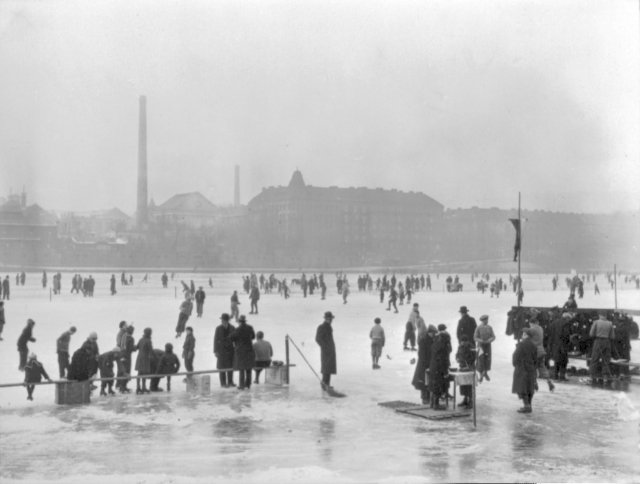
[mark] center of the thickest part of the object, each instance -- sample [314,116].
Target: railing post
[286,357]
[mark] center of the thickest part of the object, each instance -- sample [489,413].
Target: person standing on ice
[2,320]
[254,296]
[439,366]
[537,337]
[525,362]
[6,288]
[377,342]
[244,356]
[483,337]
[466,325]
[23,340]
[200,297]
[425,342]
[186,308]
[393,297]
[324,338]
[345,290]
[112,284]
[143,360]
[223,351]
[62,348]
[189,349]
[235,302]
[33,373]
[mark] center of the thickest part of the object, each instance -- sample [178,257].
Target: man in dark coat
[33,373]
[439,366]
[6,288]
[82,363]
[105,363]
[186,309]
[224,351]
[165,363]
[244,356]
[143,360]
[254,296]
[425,343]
[324,338]
[124,368]
[559,343]
[466,325]
[25,337]
[200,297]
[525,364]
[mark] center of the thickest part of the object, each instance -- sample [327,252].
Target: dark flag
[516,247]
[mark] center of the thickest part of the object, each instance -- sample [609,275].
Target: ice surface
[296,433]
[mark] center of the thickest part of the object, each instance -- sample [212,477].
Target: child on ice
[33,373]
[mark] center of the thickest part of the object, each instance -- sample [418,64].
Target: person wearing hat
[244,357]
[425,343]
[168,364]
[62,348]
[23,340]
[324,339]
[143,360]
[223,350]
[466,325]
[483,337]
[33,373]
[439,366]
[559,345]
[377,342]
[525,364]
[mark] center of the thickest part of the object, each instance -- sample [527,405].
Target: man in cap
[525,363]
[223,350]
[466,325]
[324,338]
[62,348]
[559,343]
[484,336]
[200,296]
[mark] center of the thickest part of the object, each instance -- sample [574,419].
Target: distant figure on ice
[186,308]
[165,280]
[324,338]
[483,337]
[235,302]
[33,373]
[596,289]
[393,297]
[525,362]
[466,325]
[112,284]
[345,290]
[244,357]
[62,348]
[254,296]
[6,289]
[189,349]
[23,340]
[264,352]
[200,297]
[210,282]
[44,279]
[377,342]
[223,351]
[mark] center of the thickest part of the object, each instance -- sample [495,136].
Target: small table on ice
[463,378]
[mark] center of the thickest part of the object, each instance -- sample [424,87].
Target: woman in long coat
[143,360]
[244,357]
[439,365]
[425,342]
[324,338]
[525,363]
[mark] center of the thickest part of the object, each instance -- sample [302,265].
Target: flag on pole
[516,247]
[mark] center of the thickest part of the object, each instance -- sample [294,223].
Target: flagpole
[519,254]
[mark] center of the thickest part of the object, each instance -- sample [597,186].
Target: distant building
[193,210]
[303,225]
[28,234]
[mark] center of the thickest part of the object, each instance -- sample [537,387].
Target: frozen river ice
[297,434]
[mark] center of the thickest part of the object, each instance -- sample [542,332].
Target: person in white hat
[33,373]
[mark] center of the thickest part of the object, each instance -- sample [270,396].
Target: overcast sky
[466,101]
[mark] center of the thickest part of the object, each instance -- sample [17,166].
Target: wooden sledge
[425,411]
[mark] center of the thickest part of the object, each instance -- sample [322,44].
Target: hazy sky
[466,101]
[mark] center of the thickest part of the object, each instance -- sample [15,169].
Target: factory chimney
[236,191]
[141,213]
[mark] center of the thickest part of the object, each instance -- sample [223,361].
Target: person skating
[244,356]
[23,340]
[186,308]
[377,342]
[33,373]
[254,297]
[62,348]
[264,352]
[223,351]
[235,302]
[324,339]
[200,296]
[525,363]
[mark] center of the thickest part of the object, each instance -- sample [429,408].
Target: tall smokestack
[141,213]
[236,191]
